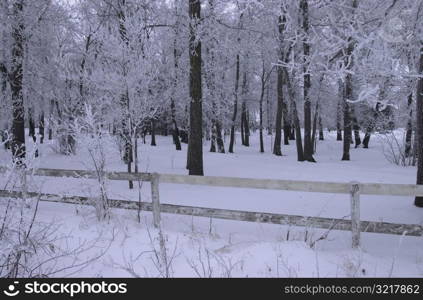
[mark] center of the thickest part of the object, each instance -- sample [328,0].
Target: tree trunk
[347,119]
[195,145]
[297,126]
[31,131]
[232,139]
[308,145]
[16,76]
[213,136]
[124,99]
[341,98]
[292,133]
[314,130]
[419,132]
[279,86]
[261,108]
[348,63]
[41,128]
[242,124]
[3,86]
[219,138]
[175,132]
[279,110]
[286,123]
[370,128]
[356,127]
[245,131]
[153,132]
[50,120]
[136,151]
[245,128]
[321,135]
[286,130]
[268,115]
[31,124]
[409,133]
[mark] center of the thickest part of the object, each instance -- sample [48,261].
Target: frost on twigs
[30,247]
[394,149]
[95,141]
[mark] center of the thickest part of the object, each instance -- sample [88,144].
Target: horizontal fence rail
[249,216]
[354,189]
[269,184]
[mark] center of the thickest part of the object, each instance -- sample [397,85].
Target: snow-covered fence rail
[272,184]
[354,189]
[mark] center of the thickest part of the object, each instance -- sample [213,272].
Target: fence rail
[354,189]
[272,184]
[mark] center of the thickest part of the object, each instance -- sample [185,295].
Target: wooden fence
[354,189]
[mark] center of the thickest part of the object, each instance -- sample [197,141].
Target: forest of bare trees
[202,71]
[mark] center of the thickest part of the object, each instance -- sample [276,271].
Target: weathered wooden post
[155,199]
[355,214]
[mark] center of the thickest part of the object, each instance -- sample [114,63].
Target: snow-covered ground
[203,247]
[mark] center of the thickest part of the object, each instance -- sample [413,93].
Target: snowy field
[196,247]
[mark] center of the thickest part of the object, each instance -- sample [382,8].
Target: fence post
[155,199]
[355,213]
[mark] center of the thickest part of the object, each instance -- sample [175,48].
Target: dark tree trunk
[314,130]
[41,128]
[245,130]
[183,135]
[356,127]
[419,132]
[277,150]
[286,130]
[348,63]
[245,126]
[298,139]
[31,124]
[339,119]
[366,139]
[308,145]
[124,99]
[153,132]
[321,135]
[219,138]
[268,114]
[347,119]
[50,121]
[232,139]
[297,126]
[213,137]
[195,146]
[31,130]
[286,123]
[175,132]
[164,129]
[408,135]
[144,134]
[136,151]
[16,76]
[129,165]
[3,86]
[292,132]
[370,129]
[263,83]
[261,129]
[341,99]
[242,125]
